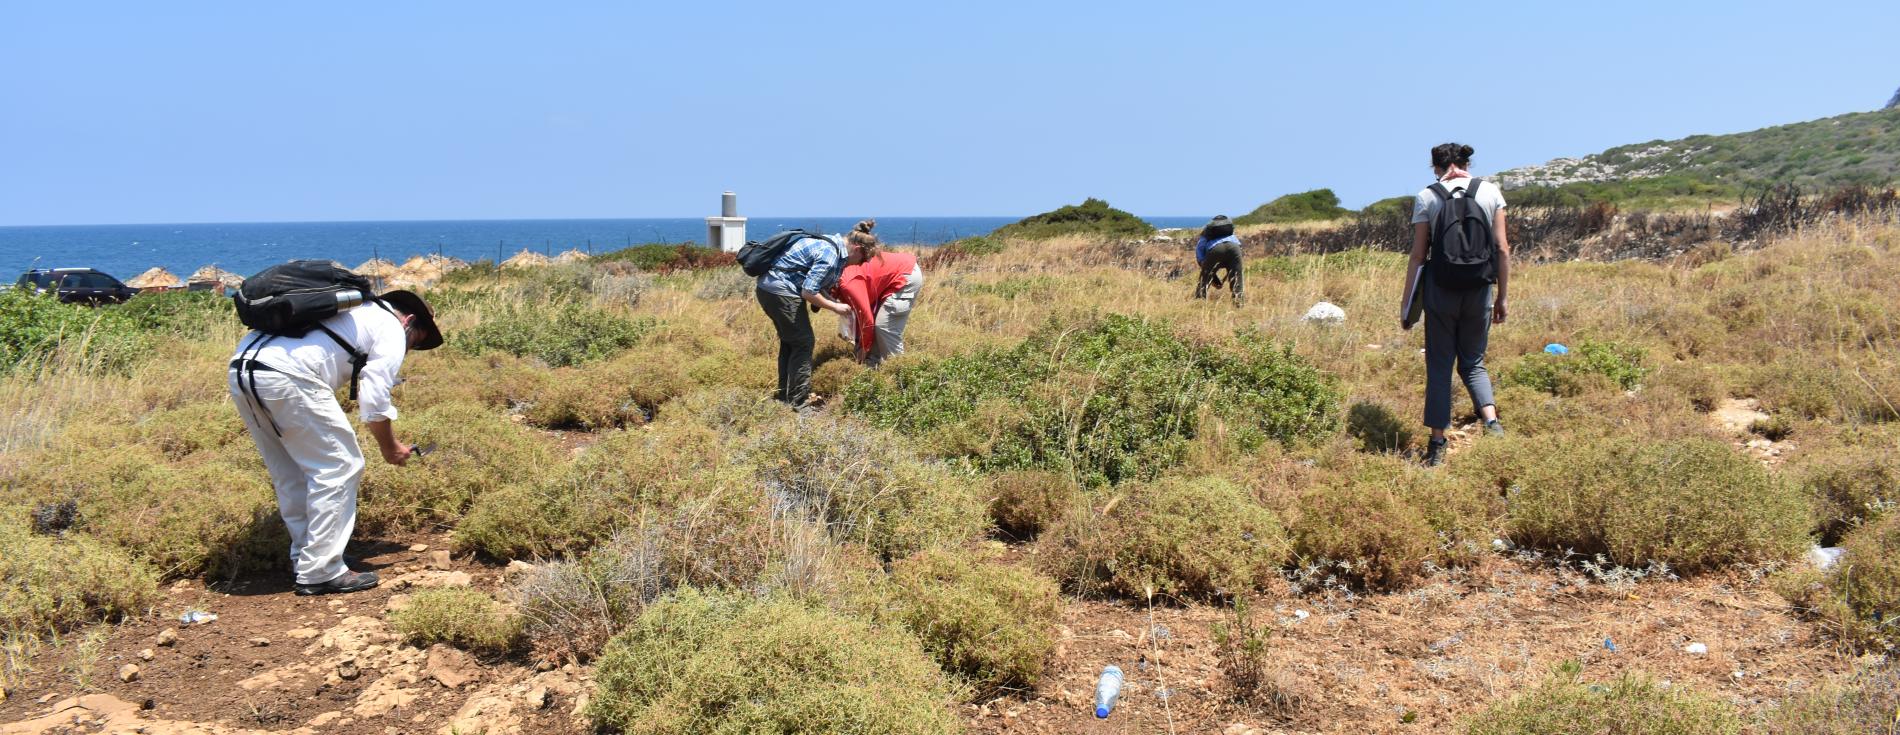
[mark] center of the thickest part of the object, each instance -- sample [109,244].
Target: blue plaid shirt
[811,265]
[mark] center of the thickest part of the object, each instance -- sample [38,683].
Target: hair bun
[866,225]
[1465,151]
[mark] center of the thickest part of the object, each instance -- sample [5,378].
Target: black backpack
[1463,247]
[291,299]
[756,258]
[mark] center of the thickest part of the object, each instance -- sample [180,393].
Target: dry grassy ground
[962,539]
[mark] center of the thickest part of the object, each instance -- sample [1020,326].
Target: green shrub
[1692,504]
[34,327]
[190,314]
[459,616]
[1091,217]
[556,336]
[1851,485]
[1113,398]
[1858,703]
[51,584]
[1631,703]
[476,451]
[1201,539]
[864,484]
[991,623]
[1616,363]
[1024,504]
[1378,523]
[584,502]
[666,258]
[1867,581]
[1376,428]
[699,662]
[1318,204]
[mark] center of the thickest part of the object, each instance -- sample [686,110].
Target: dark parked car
[77,285]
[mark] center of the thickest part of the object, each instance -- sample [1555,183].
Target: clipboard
[1415,298]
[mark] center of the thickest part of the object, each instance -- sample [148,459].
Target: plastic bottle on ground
[1107,691]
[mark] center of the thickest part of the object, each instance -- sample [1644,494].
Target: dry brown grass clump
[1379,523]
[1183,539]
[1024,504]
[1632,703]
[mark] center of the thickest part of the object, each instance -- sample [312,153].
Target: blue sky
[206,112]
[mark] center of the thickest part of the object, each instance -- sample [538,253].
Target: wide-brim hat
[420,317]
[1220,220]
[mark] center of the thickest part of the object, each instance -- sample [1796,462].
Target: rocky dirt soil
[1411,662]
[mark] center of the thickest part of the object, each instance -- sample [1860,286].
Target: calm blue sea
[245,248]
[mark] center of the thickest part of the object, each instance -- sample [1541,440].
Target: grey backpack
[1464,251]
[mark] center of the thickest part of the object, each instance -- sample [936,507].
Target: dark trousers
[1225,256]
[1457,330]
[795,342]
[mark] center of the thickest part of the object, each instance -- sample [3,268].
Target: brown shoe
[346,582]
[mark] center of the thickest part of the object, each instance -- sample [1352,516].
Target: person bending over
[881,287]
[1217,249]
[801,276]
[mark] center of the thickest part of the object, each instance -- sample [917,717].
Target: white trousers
[893,316]
[315,465]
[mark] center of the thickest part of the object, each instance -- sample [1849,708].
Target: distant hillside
[1091,217]
[1857,148]
[1318,204]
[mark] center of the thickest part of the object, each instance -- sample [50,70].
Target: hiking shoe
[1494,427]
[1435,453]
[346,582]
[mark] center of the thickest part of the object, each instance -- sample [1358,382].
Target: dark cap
[420,317]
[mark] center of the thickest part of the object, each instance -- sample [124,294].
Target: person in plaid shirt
[801,276]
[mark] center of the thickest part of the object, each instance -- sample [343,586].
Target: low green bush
[991,623]
[461,617]
[697,662]
[864,484]
[1199,539]
[1632,703]
[51,584]
[1860,702]
[583,503]
[1110,399]
[1692,504]
[476,451]
[1851,484]
[34,327]
[188,314]
[1023,504]
[1613,363]
[1377,429]
[1379,524]
[569,334]
[1091,217]
[667,258]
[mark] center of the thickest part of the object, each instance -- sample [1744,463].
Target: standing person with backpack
[1459,223]
[795,270]
[312,335]
[881,287]
[1216,250]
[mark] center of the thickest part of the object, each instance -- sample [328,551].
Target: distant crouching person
[1217,250]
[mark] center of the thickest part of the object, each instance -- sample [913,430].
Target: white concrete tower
[726,231]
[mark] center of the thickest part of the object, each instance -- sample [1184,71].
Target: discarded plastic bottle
[1107,691]
[1556,348]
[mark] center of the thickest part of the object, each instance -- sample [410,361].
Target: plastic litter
[1696,649]
[194,617]
[1301,614]
[1325,312]
[1556,348]
[1107,691]
[1609,645]
[1823,557]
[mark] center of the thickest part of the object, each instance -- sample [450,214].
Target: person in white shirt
[1460,301]
[285,389]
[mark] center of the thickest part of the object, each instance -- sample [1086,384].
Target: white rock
[1695,649]
[1823,557]
[1325,312]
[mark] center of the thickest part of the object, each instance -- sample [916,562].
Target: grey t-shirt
[1490,198]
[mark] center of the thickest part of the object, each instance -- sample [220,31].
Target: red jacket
[865,287]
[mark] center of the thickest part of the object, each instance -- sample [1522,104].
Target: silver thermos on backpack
[346,300]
